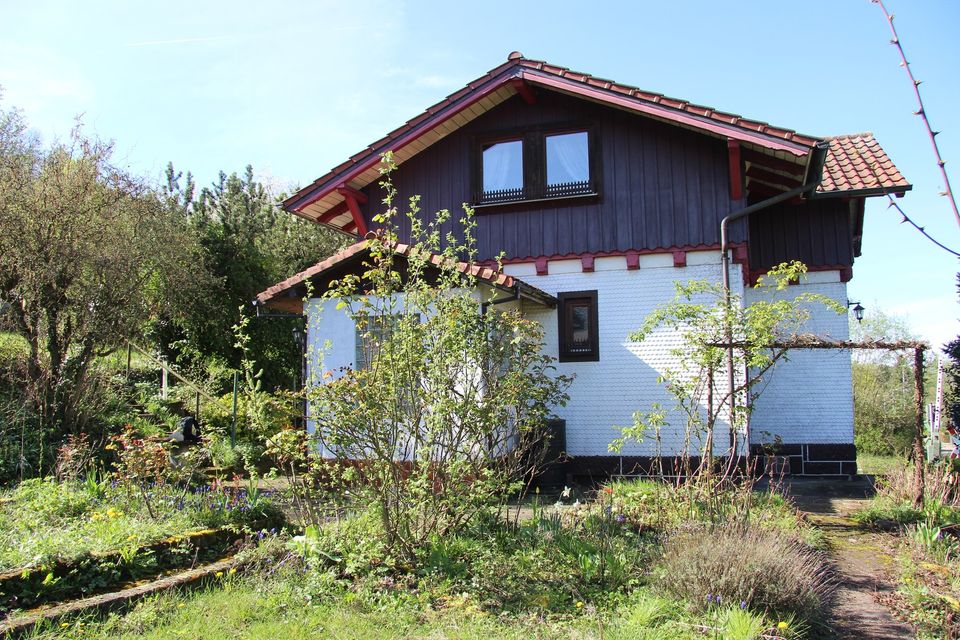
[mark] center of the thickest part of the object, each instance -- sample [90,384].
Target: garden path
[860,558]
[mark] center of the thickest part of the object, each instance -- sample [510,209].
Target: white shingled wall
[605,394]
[809,398]
[806,400]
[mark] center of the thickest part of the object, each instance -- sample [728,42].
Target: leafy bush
[766,569]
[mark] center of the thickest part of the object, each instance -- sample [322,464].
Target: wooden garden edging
[39,585]
[15,626]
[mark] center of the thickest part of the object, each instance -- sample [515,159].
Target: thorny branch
[922,112]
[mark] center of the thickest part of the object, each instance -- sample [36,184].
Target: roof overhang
[288,295]
[774,159]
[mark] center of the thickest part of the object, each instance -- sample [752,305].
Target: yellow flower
[219,574]
[782,625]
[181,606]
[232,571]
[579,604]
[64,625]
[111,447]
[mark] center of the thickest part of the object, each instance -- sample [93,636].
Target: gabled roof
[359,250]
[325,199]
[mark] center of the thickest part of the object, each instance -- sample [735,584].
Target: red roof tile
[857,162]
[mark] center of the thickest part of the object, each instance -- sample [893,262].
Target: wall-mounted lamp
[857,310]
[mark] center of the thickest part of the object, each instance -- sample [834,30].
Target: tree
[449,413]
[883,387]
[248,244]
[86,257]
[711,322]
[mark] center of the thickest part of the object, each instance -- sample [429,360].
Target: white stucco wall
[809,398]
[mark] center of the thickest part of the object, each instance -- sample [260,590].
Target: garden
[424,517]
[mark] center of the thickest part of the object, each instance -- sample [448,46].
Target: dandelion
[181,606]
[782,625]
[579,604]
[64,625]
[232,571]
[218,574]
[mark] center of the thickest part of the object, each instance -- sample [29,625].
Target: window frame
[534,154]
[564,352]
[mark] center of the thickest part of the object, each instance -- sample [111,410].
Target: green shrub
[764,568]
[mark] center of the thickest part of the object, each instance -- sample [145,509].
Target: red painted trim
[611,254]
[359,196]
[333,213]
[633,260]
[350,227]
[586,263]
[679,258]
[634,104]
[736,169]
[524,90]
[358,222]
[846,274]
[541,266]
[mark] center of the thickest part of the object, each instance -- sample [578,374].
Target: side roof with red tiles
[857,162]
[482,273]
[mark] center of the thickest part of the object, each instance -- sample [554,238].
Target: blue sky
[294,88]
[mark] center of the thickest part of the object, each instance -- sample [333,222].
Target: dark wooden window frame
[534,163]
[565,354]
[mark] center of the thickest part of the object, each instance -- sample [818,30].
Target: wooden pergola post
[919,454]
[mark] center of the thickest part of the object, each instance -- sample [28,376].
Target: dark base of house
[789,459]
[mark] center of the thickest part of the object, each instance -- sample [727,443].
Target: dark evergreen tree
[248,243]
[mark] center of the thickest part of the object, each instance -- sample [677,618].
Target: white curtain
[503,166]
[567,158]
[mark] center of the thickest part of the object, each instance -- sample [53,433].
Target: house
[601,196]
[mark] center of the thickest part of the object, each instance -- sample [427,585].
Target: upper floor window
[503,170]
[568,163]
[537,164]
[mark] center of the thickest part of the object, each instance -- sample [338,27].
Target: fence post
[126,378]
[163,379]
[233,425]
[197,414]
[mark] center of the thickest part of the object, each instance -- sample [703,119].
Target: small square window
[568,163]
[371,334]
[579,329]
[503,171]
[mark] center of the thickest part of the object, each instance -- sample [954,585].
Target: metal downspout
[813,177]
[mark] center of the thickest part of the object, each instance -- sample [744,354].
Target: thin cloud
[153,43]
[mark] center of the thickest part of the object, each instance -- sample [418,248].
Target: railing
[568,189]
[502,195]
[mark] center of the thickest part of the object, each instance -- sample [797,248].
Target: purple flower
[743,604]
[621,518]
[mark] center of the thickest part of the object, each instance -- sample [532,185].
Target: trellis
[916,346]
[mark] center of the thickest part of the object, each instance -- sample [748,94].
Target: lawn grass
[868,464]
[43,521]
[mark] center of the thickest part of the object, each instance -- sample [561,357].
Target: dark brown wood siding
[660,186]
[817,233]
